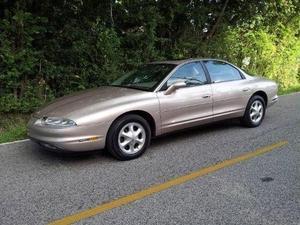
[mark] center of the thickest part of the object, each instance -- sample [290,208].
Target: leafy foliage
[13,127]
[52,48]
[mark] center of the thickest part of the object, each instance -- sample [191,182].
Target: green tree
[51,48]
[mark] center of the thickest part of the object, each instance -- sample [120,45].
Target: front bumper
[77,138]
[274,99]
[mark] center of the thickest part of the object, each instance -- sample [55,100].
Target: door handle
[246,89]
[206,96]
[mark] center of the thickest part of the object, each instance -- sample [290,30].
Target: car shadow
[70,155]
[219,126]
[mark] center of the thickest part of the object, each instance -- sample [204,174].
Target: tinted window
[192,73]
[220,71]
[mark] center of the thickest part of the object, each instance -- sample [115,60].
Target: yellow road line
[160,187]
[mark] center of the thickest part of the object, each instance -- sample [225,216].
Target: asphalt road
[38,187]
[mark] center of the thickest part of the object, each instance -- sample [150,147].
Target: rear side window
[221,71]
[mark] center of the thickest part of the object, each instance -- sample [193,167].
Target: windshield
[145,78]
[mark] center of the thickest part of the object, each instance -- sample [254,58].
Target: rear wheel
[255,112]
[128,137]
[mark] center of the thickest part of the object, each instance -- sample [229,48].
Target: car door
[187,106]
[229,90]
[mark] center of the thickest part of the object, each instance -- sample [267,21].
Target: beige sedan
[158,98]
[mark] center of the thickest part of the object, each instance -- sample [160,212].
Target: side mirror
[175,86]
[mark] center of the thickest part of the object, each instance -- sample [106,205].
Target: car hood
[86,101]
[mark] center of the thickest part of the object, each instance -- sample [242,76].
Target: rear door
[229,89]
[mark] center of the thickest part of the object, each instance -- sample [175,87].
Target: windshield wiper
[130,86]
[137,87]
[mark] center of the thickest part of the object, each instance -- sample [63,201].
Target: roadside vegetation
[295,88]
[52,48]
[12,127]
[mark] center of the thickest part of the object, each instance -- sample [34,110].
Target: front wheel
[128,137]
[255,112]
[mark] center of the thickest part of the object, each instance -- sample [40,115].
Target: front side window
[144,78]
[192,74]
[221,71]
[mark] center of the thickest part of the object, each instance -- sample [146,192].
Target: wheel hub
[132,138]
[256,111]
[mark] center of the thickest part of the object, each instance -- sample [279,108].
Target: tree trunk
[23,86]
[111,13]
[214,28]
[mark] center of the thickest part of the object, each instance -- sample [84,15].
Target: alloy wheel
[256,111]
[132,138]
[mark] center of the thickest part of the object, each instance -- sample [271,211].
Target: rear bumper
[76,139]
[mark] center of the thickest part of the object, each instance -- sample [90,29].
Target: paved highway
[40,187]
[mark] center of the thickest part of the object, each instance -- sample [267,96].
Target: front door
[187,106]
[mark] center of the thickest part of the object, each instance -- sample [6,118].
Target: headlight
[56,122]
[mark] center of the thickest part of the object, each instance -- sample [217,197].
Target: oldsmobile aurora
[158,98]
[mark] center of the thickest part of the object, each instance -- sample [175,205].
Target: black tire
[246,119]
[112,141]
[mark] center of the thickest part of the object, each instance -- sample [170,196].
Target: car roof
[182,61]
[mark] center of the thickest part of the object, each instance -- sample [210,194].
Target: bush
[261,53]
[32,74]
[49,49]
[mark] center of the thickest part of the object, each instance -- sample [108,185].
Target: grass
[13,126]
[295,88]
